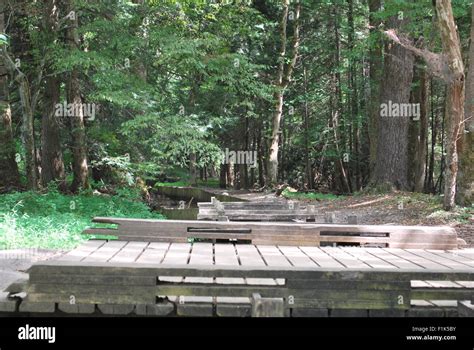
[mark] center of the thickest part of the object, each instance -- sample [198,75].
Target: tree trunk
[9,174]
[375,60]
[283,77]
[465,180]
[455,96]
[79,147]
[52,165]
[391,169]
[419,132]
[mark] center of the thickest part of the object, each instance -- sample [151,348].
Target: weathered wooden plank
[76,308]
[393,259]
[226,254]
[105,252]
[236,310]
[130,252]
[177,253]
[400,236]
[201,254]
[91,298]
[29,305]
[161,309]
[321,257]
[6,304]
[249,256]
[442,293]
[112,281]
[465,308]
[452,256]
[83,251]
[345,258]
[116,309]
[437,259]
[250,270]
[267,307]
[154,253]
[369,259]
[416,259]
[273,256]
[296,256]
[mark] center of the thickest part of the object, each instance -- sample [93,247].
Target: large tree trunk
[281,83]
[79,147]
[52,165]
[465,182]
[9,174]
[419,132]
[455,96]
[391,169]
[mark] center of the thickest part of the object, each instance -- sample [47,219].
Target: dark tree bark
[375,74]
[419,132]
[79,148]
[52,165]
[9,174]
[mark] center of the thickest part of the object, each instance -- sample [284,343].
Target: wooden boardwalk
[228,279]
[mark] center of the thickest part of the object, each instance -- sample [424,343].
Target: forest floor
[398,208]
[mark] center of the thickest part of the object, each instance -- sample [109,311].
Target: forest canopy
[333,96]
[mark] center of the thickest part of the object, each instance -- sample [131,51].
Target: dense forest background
[113,94]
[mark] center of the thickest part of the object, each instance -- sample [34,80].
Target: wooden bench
[255,211]
[291,234]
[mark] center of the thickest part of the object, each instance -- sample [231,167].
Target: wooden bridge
[153,270]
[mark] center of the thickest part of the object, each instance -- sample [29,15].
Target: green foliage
[310,195]
[54,220]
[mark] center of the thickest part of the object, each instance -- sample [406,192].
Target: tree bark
[79,148]
[9,174]
[284,73]
[375,60]
[52,165]
[419,132]
[391,169]
[465,182]
[455,96]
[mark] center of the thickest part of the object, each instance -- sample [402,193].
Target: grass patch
[310,195]
[55,220]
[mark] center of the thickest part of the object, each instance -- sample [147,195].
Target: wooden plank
[416,259]
[249,256]
[267,307]
[130,252]
[160,309]
[73,279]
[201,254]
[320,257]
[7,304]
[344,258]
[105,252]
[76,308]
[154,253]
[251,270]
[296,256]
[116,309]
[177,254]
[451,264]
[465,308]
[400,236]
[84,250]
[452,256]
[226,254]
[393,259]
[369,259]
